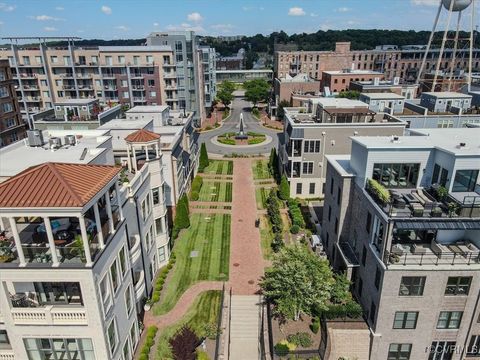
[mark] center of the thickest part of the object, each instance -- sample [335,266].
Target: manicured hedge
[149,341]
[295,213]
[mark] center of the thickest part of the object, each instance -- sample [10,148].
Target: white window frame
[112,350]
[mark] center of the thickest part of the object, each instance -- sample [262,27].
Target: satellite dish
[458,5]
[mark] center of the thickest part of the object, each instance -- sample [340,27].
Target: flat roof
[352,72]
[19,156]
[125,124]
[341,163]
[380,96]
[147,109]
[443,139]
[135,48]
[243,71]
[447,94]
[343,103]
[75,102]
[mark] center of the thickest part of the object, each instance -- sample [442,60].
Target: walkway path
[246,261]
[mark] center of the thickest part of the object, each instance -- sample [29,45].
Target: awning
[438,225]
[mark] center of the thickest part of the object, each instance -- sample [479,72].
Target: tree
[250,58]
[341,290]
[182,220]
[273,164]
[284,189]
[184,343]
[225,92]
[203,161]
[256,90]
[350,94]
[280,109]
[297,282]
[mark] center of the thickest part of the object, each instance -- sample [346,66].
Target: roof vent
[55,143]
[395,139]
[462,145]
[70,140]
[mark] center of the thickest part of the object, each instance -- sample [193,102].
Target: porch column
[109,213]
[18,243]
[51,241]
[134,159]
[98,223]
[2,224]
[129,159]
[86,245]
[117,193]
[157,150]
[146,153]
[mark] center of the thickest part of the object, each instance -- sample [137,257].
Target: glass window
[442,350]
[126,351]
[4,338]
[373,311]
[378,277]
[465,180]
[396,175]
[112,336]
[59,349]
[307,168]
[412,285]
[474,346]
[311,189]
[159,229]
[458,285]
[399,351]
[299,188]
[128,300]
[105,291]
[58,293]
[123,260]
[405,320]
[156,196]
[368,224]
[449,319]
[133,334]
[114,274]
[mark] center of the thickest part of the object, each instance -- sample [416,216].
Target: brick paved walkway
[246,262]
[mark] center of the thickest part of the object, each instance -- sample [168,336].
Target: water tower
[451,40]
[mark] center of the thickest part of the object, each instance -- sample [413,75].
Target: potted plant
[148,305]
[452,209]
[441,192]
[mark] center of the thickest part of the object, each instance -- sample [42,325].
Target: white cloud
[185,27]
[46,18]
[222,27]
[50,28]
[156,24]
[195,17]
[59,8]
[106,9]
[80,31]
[314,15]
[296,11]
[122,28]
[343,9]
[424,2]
[6,7]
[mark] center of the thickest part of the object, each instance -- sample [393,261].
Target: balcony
[50,315]
[139,284]
[7,354]
[135,249]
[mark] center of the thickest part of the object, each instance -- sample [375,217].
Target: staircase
[245,327]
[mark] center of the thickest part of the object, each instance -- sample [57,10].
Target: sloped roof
[142,136]
[55,185]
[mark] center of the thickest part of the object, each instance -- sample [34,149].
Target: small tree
[350,94]
[184,343]
[341,289]
[203,162]
[256,90]
[273,164]
[284,189]
[182,220]
[297,282]
[280,109]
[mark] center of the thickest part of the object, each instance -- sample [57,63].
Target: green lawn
[216,191]
[261,195]
[260,170]
[210,236]
[205,310]
[266,237]
[219,167]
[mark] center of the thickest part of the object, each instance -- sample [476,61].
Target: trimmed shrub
[283,347]
[184,343]
[149,341]
[284,189]
[156,297]
[294,229]
[203,161]
[302,339]
[378,191]
[202,355]
[181,217]
[315,325]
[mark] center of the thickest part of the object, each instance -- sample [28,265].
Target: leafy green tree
[273,164]
[182,220]
[341,290]
[225,92]
[284,189]
[297,282]
[256,90]
[280,109]
[203,161]
[228,86]
[250,58]
[350,94]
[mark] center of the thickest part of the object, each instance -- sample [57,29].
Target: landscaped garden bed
[202,252]
[252,139]
[261,170]
[219,167]
[216,191]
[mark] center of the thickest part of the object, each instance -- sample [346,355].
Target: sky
[122,19]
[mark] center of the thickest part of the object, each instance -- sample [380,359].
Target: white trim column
[98,223]
[146,153]
[18,243]
[2,224]
[51,241]
[109,213]
[134,158]
[86,245]
[157,150]
[129,159]
[119,204]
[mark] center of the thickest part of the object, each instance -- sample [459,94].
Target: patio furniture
[436,211]
[410,198]
[417,209]
[419,249]
[439,249]
[399,249]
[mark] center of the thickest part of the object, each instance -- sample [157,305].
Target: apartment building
[409,91]
[287,86]
[403,62]
[190,60]
[127,75]
[12,126]
[414,258]
[338,81]
[78,253]
[324,127]
[384,102]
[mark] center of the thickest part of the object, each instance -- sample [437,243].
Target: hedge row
[149,341]
[161,279]
[196,187]
[295,214]
[273,212]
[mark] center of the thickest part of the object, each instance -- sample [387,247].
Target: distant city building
[384,102]
[299,84]
[409,91]
[440,102]
[335,82]
[234,62]
[12,126]
[240,76]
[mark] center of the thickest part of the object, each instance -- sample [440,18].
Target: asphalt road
[238,106]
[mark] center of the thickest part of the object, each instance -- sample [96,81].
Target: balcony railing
[139,283]
[7,354]
[50,315]
[135,250]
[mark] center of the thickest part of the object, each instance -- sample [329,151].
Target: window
[136,60]
[161,254]
[329,212]
[364,255]
[412,286]
[458,285]
[7,107]
[3,91]
[156,196]
[331,186]
[465,180]
[126,350]
[124,83]
[442,350]
[373,311]
[311,188]
[108,60]
[311,146]
[121,59]
[368,224]
[399,351]
[94,59]
[38,60]
[10,123]
[151,82]
[54,59]
[123,261]
[114,274]
[55,293]
[299,188]
[405,320]
[128,300]
[307,168]
[59,348]
[133,333]
[378,277]
[125,94]
[149,59]
[105,291]
[396,175]
[4,338]
[336,225]
[449,319]
[473,348]
[112,336]
[378,233]
[339,196]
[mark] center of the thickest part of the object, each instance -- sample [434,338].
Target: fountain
[241,135]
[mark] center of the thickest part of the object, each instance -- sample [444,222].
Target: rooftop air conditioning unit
[395,139]
[35,137]
[55,142]
[70,140]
